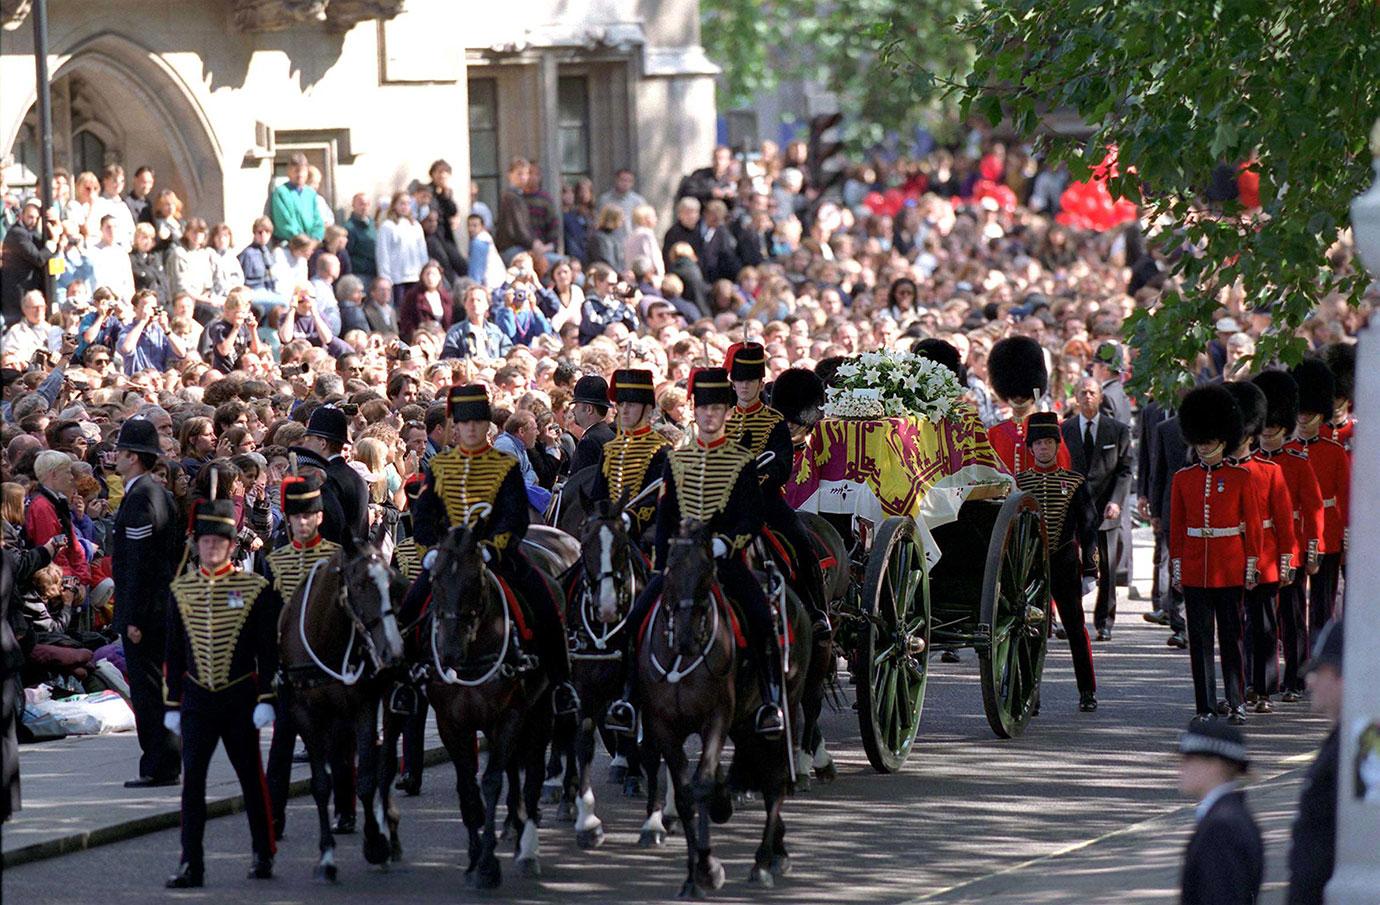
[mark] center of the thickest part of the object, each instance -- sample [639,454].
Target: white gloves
[719,548]
[263,715]
[487,553]
[172,721]
[428,559]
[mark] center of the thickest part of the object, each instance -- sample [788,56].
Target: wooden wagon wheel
[893,656]
[1014,614]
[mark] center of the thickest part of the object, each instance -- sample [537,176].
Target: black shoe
[950,656]
[1238,716]
[1222,707]
[1104,634]
[1061,633]
[564,700]
[344,824]
[1087,702]
[409,785]
[1158,617]
[621,718]
[262,868]
[770,722]
[150,782]
[187,877]
[1178,640]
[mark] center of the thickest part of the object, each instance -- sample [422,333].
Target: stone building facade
[215,95]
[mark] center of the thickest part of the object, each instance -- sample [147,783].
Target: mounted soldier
[714,482]
[636,457]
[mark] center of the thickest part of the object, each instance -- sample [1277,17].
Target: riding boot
[770,721]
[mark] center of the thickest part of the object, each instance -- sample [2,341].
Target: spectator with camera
[475,336]
[235,332]
[608,302]
[522,306]
[148,343]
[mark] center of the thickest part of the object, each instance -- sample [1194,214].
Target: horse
[338,641]
[604,586]
[482,682]
[689,674]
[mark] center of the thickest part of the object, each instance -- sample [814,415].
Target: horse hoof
[827,773]
[690,890]
[551,792]
[377,850]
[710,872]
[761,877]
[651,839]
[326,873]
[529,867]
[565,812]
[632,787]
[591,838]
[781,866]
[618,773]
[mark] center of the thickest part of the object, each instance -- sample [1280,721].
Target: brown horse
[483,682]
[338,643]
[693,683]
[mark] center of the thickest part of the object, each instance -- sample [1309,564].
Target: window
[572,93]
[484,159]
[88,153]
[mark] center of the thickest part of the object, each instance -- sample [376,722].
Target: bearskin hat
[1209,413]
[1016,367]
[943,353]
[1317,387]
[1281,398]
[1250,401]
[798,394]
[1341,359]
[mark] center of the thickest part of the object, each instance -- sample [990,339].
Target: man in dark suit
[1225,860]
[1313,854]
[26,258]
[1100,448]
[1152,415]
[345,497]
[1108,366]
[1168,453]
[590,409]
[145,544]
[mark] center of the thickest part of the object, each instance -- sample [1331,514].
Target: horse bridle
[501,665]
[677,672]
[626,591]
[359,628]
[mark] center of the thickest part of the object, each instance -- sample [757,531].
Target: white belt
[1233,531]
[1268,523]
[1330,503]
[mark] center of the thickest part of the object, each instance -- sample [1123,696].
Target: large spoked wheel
[1014,614]
[893,653]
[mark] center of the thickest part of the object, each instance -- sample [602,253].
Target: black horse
[693,683]
[338,643]
[483,682]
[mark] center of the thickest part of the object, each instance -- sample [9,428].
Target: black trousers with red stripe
[1066,586]
[209,718]
[1293,632]
[1222,608]
[1262,650]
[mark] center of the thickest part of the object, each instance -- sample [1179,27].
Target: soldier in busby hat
[1276,561]
[798,394]
[637,455]
[1214,545]
[714,481]
[1340,359]
[1281,418]
[1071,523]
[454,481]
[1332,467]
[761,429]
[222,656]
[1225,860]
[1018,374]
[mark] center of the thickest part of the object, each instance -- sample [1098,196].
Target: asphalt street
[1082,808]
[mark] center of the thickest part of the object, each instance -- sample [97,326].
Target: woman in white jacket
[401,249]
[642,241]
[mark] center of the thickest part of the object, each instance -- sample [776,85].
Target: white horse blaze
[608,594]
[530,846]
[585,818]
[390,621]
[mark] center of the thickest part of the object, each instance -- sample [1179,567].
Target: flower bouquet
[891,384]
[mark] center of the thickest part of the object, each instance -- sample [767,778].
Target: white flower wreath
[893,384]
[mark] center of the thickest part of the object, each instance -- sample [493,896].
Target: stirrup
[403,701]
[822,626]
[770,722]
[565,701]
[621,718]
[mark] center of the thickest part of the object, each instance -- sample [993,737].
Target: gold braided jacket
[1054,490]
[408,557]
[291,563]
[214,610]
[760,421]
[463,479]
[625,463]
[705,476]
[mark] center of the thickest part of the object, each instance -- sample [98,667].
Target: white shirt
[326,305]
[110,268]
[1084,425]
[24,339]
[289,271]
[101,206]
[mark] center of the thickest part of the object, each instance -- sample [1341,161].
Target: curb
[153,823]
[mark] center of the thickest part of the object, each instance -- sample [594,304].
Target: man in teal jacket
[293,207]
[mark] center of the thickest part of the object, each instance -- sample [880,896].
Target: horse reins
[344,675]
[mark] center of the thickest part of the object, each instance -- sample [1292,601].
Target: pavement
[1081,808]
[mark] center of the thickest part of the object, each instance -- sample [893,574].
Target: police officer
[714,481]
[1314,852]
[286,568]
[345,496]
[1277,553]
[455,481]
[1332,467]
[637,455]
[589,406]
[1225,860]
[1281,417]
[1071,524]
[1020,378]
[762,429]
[1214,545]
[147,542]
[222,656]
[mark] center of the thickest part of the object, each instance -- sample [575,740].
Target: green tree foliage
[849,48]
[1178,86]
